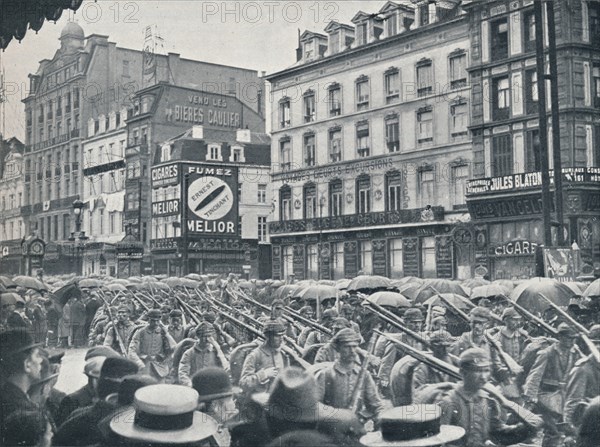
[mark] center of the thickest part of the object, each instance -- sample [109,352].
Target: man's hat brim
[234,390]
[294,414]
[9,352]
[448,433]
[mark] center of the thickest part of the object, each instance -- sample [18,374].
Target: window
[362,139]
[391,23]
[334,42]
[214,152]
[59,106]
[237,154]
[335,145]
[309,107]
[309,49]
[363,194]
[426,187]
[262,193]
[393,200]
[365,257]
[310,201]
[285,154]
[284,113]
[262,228]
[499,33]
[529,30]
[424,78]
[425,126]
[594,14]
[362,93]
[459,113]
[336,199]
[285,200]
[101,221]
[58,129]
[66,226]
[76,98]
[335,100]
[125,68]
[531,92]
[396,261]
[392,133]
[288,260]
[309,150]
[501,98]
[458,71]
[502,156]
[460,176]
[428,265]
[392,86]
[361,33]
[312,261]
[596,84]
[532,155]
[424,13]
[54,227]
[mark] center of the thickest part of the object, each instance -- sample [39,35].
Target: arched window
[363,194]
[310,201]
[393,189]
[285,203]
[336,198]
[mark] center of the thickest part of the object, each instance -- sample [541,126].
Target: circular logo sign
[210,198]
[37,248]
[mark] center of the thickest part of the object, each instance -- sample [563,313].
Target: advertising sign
[211,200]
[185,108]
[559,263]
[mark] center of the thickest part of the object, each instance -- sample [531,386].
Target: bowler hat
[127,388]
[14,341]
[510,312]
[112,373]
[330,313]
[479,313]
[413,314]
[413,426]
[294,398]
[474,358]
[100,351]
[567,331]
[93,366]
[273,327]
[55,356]
[346,336]
[213,383]
[164,414]
[154,314]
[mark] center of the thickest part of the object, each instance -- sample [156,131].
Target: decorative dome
[72,29]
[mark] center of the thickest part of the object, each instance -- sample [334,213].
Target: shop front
[11,257]
[508,209]
[100,258]
[129,255]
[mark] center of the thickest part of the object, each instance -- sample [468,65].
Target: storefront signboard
[379,257]
[298,262]
[514,248]
[325,257]
[444,257]
[350,259]
[508,207]
[276,262]
[410,256]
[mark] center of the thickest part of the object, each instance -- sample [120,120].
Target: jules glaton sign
[211,200]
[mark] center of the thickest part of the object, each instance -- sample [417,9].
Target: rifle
[584,333]
[360,381]
[112,320]
[139,300]
[533,318]
[525,415]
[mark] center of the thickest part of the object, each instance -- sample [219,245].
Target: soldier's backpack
[181,347]
[401,381]
[236,360]
[529,355]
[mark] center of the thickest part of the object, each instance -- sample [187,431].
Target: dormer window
[213,152]
[309,49]
[362,34]
[237,154]
[391,24]
[334,42]
[165,153]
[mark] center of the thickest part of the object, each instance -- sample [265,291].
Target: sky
[259,35]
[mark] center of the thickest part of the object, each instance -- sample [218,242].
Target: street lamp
[78,237]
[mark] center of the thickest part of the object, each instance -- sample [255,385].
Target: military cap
[175,313]
[205,328]
[210,317]
[438,311]
[438,319]
[479,314]
[441,337]
[100,351]
[277,303]
[341,322]
[154,314]
[330,313]
[595,333]
[485,302]
[273,327]
[474,358]
[565,330]
[305,309]
[346,336]
[165,308]
[510,312]
[123,307]
[413,314]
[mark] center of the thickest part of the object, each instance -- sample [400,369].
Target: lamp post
[178,254]
[78,237]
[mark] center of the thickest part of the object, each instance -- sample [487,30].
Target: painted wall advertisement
[211,200]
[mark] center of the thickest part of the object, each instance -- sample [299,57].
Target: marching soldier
[327,352]
[175,328]
[511,336]
[205,353]
[425,374]
[124,326]
[151,346]
[263,364]
[327,320]
[545,385]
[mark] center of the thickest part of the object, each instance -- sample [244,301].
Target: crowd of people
[224,366]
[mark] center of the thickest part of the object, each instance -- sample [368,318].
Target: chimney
[299,49]
[243,136]
[198,132]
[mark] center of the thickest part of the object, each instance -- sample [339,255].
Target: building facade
[370,147]
[192,233]
[504,197]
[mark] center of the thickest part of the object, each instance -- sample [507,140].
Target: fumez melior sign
[211,206]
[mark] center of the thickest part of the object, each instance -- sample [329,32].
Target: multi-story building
[370,146]
[91,80]
[12,230]
[161,113]
[228,234]
[504,198]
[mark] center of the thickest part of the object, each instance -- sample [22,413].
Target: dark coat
[83,397]
[12,399]
[82,427]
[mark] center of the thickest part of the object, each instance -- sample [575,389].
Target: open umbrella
[317,292]
[407,280]
[116,287]
[446,286]
[528,294]
[326,282]
[134,279]
[10,298]
[455,299]
[593,290]
[173,281]
[392,299]
[342,284]
[245,285]
[489,291]
[29,283]
[194,276]
[2,288]
[475,282]
[410,290]
[120,281]
[90,283]
[506,283]
[369,282]
[285,290]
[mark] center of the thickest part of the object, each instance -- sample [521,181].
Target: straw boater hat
[164,414]
[413,426]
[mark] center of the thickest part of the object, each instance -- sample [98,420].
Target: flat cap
[595,333]
[340,322]
[474,358]
[100,351]
[273,327]
[205,328]
[330,313]
[479,314]
[124,308]
[441,337]
[346,336]
[510,312]
[566,330]
[153,314]
[413,314]
[175,313]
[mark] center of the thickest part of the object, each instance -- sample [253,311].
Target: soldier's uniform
[200,356]
[125,329]
[177,331]
[512,342]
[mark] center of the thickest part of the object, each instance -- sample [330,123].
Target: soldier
[424,374]
[583,384]
[175,328]
[165,312]
[327,352]
[546,382]
[315,336]
[263,364]
[308,313]
[413,319]
[338,381]
[151,346]
[125,328]
[511,336]
[470,407]
[205,353]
